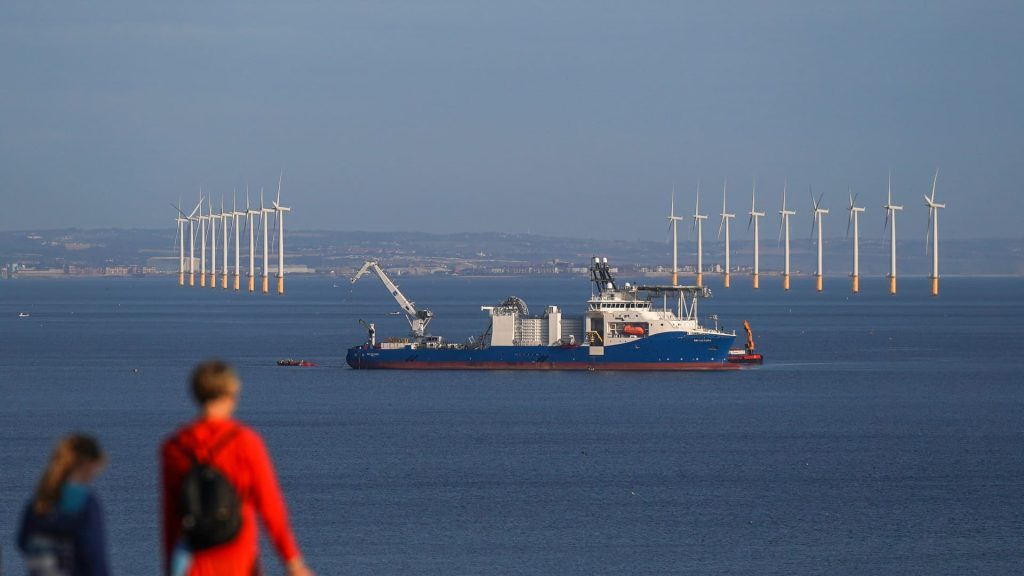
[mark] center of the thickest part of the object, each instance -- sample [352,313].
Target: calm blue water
[882,436]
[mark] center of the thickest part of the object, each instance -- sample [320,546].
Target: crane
[418,319]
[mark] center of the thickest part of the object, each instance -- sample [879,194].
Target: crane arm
[418,320]
[750,336]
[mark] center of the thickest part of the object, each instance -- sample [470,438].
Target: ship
[634,327]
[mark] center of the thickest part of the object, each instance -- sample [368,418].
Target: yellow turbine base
[224,282]
[700,278]
[181,278]
[280,284]
[818,282]
[191,279]
[757,281]
[675,279]
[238,283]
[892,285]
[935,286]
[266,285]
[785,282]
[252,283]
[856,284]
[213,281]
[725,281]
[202,280]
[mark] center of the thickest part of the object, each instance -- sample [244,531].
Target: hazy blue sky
[569,118]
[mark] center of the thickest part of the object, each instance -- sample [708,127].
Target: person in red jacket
[239,454]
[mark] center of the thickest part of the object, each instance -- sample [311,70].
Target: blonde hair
[213,379]
[71,452]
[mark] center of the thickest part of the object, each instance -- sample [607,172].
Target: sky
[556,118]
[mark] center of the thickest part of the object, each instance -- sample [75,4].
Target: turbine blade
[720,224]
[935,181]
[280,178]
[848,222]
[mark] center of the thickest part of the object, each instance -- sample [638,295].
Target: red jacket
[246,464]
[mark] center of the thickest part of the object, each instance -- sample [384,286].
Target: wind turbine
[213,243]
[673,223]
[236,214]
[725,222]
[266,247]
[224,233]
[202,243]
[854,219]
[181,219]
[890,213]
[754,219]
[192,244]
[784,225]
[933,229]
[816,222]
[280,235]
[249,213]
[698,223]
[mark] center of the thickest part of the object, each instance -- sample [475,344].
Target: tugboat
[747,354]
[632,327]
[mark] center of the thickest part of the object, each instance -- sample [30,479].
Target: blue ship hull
[665,351]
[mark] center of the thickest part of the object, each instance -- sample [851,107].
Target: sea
[883,434]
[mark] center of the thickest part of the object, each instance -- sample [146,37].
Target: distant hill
[343,250]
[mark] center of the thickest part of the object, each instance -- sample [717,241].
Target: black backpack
[211,511]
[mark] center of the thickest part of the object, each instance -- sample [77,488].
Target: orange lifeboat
[633,330]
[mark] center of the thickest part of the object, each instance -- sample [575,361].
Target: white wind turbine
[933,229]
[855,220]
[249,213]
[213,243]
[280,210]
[266,246]
[180,219]
[784,226]
[754,219]
[698,223]
[192,244]
[816,222]
[236,214]
[202,242]
[725,222]
[224,219]
[673,223]
[890,213]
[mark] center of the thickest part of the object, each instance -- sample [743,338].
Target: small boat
[24,315]
[293,362]
[395,313]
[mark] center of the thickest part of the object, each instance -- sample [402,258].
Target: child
[62,527]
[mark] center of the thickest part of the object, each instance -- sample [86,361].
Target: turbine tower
[192,245]
[784,226]
[816,222]
[249,213]
[698,223]
[673,223]
[213,243]
[224,216]
[202,245]
[280,236]
[933,229]
[266,247]
[235,215]
[754,219]
[725,222]
[181,219]
[890,213]
[855,220]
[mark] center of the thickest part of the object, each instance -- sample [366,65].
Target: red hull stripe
[604,366]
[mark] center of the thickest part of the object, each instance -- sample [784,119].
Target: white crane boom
[418,319]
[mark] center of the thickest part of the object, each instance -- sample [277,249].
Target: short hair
[211,380]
